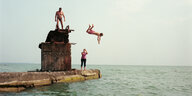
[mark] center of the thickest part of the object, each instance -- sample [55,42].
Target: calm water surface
[120,80]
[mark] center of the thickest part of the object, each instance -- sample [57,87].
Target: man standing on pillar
[58,17]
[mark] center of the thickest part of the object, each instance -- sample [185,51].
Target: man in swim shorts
[58,17]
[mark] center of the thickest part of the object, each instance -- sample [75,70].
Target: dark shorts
[60,19]
[83,61]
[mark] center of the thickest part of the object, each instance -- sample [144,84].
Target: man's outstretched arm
[55,17]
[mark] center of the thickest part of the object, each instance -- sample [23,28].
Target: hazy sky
[136,32]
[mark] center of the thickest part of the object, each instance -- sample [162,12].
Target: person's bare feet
[92,25]
[88,28]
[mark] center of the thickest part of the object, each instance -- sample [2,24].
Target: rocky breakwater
[19,81]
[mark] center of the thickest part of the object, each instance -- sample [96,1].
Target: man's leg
[61,23]
[88,28]
[57,25]
[92,27]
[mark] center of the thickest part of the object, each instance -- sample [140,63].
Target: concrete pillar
[56,51]
[55,57]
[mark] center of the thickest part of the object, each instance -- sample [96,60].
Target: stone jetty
[55,66]
[19,81]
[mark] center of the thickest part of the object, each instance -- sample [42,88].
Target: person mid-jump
[90,31]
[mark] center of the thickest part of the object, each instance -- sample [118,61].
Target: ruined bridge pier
[56,51]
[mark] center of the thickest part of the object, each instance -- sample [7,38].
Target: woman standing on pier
[83,59]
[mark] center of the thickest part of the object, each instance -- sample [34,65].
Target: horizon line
[101,64]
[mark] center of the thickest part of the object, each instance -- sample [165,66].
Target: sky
[136,32]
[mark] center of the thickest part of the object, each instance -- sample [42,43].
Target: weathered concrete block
[56,51]
[55,57]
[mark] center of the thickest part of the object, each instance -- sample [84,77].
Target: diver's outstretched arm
[98,39]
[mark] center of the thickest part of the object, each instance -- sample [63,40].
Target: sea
[117,80]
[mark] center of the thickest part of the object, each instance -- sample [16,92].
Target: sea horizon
[107,64]
[117,80]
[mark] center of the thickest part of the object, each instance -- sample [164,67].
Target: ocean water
[117,80]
